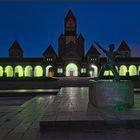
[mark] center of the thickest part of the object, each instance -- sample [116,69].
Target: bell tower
[71,45]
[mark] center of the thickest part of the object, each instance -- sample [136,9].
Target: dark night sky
[36,25]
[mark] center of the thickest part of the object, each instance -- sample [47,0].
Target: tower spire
[70,24]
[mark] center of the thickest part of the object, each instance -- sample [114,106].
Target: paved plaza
[20,117]
[71,110]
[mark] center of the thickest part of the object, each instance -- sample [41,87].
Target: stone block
[109,93]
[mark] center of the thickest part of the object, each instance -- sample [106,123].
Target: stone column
[23,68]
[32,72]
[137,70]
[44,71]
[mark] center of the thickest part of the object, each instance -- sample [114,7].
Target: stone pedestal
[109,93]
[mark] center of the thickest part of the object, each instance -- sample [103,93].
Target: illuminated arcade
[71,59]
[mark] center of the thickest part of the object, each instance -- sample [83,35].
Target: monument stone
[114,92]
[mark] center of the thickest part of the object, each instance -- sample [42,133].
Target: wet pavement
[71,110]
[22,121]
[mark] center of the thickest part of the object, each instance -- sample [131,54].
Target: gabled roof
[70,15]
[15,46]
[49,51]
[92,51]
[123,47]
[80,36]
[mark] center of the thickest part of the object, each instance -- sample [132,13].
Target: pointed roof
[92,51]
[49,51]
[80,36]
[70,15]
[61,35]
[15,46]
[124,47]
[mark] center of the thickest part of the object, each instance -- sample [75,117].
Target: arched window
[123,70]
[18,71]
[38,71]
[48,69]
[93,71]
[132,70]
[109,72]
[28,71]
[1,71]
[9,71]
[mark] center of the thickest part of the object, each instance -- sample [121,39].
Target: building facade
[71,59]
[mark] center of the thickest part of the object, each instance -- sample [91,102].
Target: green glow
[1,71]
[132,70]
[38,72]
[28,71]
[109,72]
[47,70]
[71,69]
[119,107]
[9,71]
[106,73]
[19,70]
[123,70]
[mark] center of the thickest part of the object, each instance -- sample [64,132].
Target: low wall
[30,85]
[50,84]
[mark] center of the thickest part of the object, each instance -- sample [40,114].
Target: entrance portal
[71,70]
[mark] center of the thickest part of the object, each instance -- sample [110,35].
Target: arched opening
[9,71]
[1,71]
[93,71]
[132,70]
[18,71]
[38,71]
[71,70]
[139,70]
[123,70]
[28,71]
[109,72]
[49,71]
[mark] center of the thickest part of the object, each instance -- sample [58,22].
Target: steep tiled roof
[15,46]
[49,51]
[92,51]
[124,47]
